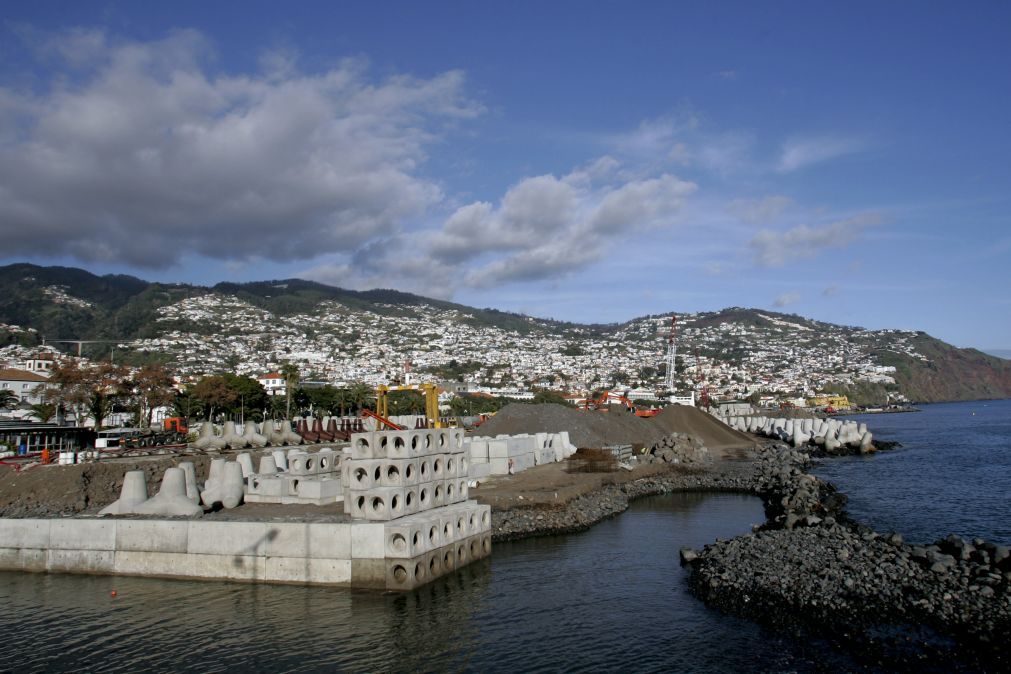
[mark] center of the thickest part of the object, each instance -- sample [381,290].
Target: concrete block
[442,440]
[439,464]
[266,485]
[433,561]
[300,570]
[457,441]
[405,541]
[81,534]
[363,445]
[426,500]
[25,533]
[499,466]
[227,538]
[365,475]
[303,464]
[152,535]
[449,558]
[23,559]
[447,525]
[368,541]
[479,471]
[383,504]
[287,539]
[399,472]
[438,493]
[425,469]
[484,518]
[411,502]
[462,490]
[355,506]
[330,540]
[498,449]
[322,488]
[478,449]
[81,561]
[368,574]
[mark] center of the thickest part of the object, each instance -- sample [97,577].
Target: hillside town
[771,361]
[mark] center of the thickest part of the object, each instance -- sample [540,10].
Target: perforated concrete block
[319,488]
[399,473]
[438,493]
[441,438]
[302,464]
[383,504]
[405,540]
[364,475]
[362,445]
[265,485]
[462,554]
[484,518]
[457,440]
[354,504]
[425,473]
[428,443]
[403,574]
[426,499]
[447,525]
[368,540]
[411,503]
[452,465]
[438,467]
[462,490]
[451,491]
[433,562]
[327,461]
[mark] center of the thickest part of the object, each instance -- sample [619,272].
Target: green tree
[543,397]
[214,393]
[8,399]
[95,389]
[44,411]
[361,395]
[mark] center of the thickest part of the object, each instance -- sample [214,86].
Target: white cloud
[775,249]
[799,153]
[760,210]
[546,226]
[144,154]
[786,299]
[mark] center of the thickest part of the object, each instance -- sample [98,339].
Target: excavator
[608,397]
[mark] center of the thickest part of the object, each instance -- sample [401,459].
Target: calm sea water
[613,598]
[952,474]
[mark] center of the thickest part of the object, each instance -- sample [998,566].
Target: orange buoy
[112,594]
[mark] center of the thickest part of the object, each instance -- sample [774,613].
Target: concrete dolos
[171,498]
[132,494]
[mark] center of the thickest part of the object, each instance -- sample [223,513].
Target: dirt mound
[716,435]
[586,429]
[45,491]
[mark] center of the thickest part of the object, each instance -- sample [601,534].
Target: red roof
[21,375]
[272,375]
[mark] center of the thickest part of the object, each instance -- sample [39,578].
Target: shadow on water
[611,598]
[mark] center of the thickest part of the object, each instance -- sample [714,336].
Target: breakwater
[809,568]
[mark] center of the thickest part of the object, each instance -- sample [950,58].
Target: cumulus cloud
[786,299]
[775,249]
[139,153]
[760,210]
[545,226]
[798,153]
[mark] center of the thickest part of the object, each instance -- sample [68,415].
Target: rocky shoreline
[810,570]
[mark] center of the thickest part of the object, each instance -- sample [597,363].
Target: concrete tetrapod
[245,459]
[171,498]
[252,438]
[289,435]
[207,439]
[280,460]
[268,465]
[132,494]
[212,488]
[233,485]
[192,493]
[269,432]
[232,439]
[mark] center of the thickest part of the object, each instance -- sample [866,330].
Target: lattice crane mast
[672,354]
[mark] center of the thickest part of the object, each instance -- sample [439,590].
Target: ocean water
[951,475]
[610,599]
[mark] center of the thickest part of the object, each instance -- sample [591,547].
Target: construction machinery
[430,391]
[606,398]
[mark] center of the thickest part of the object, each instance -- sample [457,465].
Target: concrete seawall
[350,554]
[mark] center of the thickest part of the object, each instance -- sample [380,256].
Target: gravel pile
[586,429]
[713,433]
[680,448]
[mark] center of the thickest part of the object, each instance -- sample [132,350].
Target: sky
[593,162]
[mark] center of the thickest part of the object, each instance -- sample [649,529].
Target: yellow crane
[430,391]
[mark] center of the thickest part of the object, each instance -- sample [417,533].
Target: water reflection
[612,598]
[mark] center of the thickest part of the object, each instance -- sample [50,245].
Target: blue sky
[582,161]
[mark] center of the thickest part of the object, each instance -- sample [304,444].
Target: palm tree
[43,411]
[290,373]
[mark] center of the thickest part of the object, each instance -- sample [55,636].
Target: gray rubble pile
[677,448]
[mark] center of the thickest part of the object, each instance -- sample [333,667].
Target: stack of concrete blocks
[505,454]
[416,483]
[832,434]
[302,477]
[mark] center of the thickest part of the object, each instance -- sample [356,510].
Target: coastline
[811,570]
